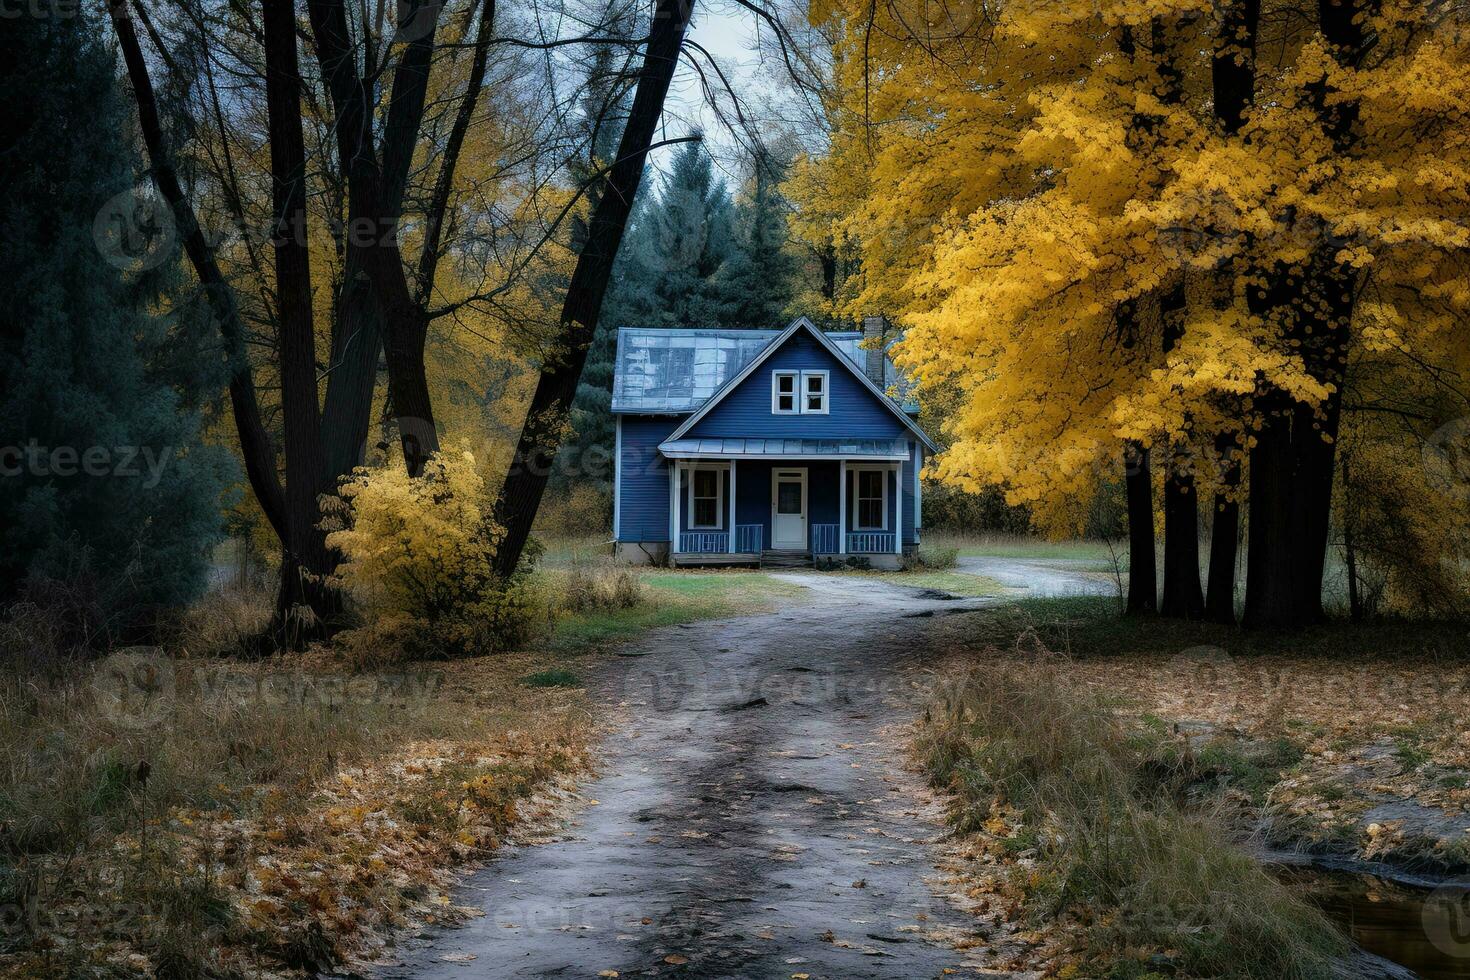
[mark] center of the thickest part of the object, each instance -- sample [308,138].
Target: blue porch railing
[750,538]
[824,539]
[703,542]
[870,542]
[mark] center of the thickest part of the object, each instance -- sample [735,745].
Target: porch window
[814,392]
[705,493]
[783,392]
[872,500]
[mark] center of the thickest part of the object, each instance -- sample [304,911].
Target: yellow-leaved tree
[1164,244]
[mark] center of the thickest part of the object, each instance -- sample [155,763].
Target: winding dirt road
[751,822]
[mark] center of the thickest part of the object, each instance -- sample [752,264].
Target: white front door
[788,508]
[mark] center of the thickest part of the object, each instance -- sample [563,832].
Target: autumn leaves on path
[754,818]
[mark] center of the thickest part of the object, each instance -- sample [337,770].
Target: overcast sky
[728,32]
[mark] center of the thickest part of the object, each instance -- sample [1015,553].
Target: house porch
[788,512]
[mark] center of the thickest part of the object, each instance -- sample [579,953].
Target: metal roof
[675,370]
[805,448]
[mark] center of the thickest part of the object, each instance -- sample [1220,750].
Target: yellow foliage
[1014,181]
[418,560]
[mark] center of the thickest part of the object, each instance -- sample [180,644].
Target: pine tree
[106,486]
[686,242]
[760,276]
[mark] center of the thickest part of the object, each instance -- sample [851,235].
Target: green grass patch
[552,677]
[1021,546]
[1127,826]
[674,597]
[1251,767]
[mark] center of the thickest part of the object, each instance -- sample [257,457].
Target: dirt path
[751,821]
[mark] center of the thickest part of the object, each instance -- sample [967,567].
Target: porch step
[772,558]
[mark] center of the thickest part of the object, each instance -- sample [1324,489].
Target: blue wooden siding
[909,503]
[643,479]
[854,412]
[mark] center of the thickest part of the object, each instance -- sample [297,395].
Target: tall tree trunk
[1349,548]
[1224,535]
[1233,78]
[1233,67]
[1271,590]
[546,419]
[827,257]
[376,184]
[1143,586]
[305,563]
[352,374]
[1182,596]
[1319,327]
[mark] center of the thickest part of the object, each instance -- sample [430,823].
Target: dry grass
[1376,709]
[1116,830]
[587,588]
[184,815]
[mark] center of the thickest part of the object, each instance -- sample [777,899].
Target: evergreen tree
[106,485]
[760,277]
[686,242]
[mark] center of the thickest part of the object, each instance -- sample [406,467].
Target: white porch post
[677,492]
[898,509]
[842,507]
[732,507]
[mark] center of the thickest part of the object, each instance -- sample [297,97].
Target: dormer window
[783,392]
[799,392]
[814,392]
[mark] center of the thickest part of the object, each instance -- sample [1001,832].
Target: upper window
[705,488]
[783,392]
[814,392]
[799,392]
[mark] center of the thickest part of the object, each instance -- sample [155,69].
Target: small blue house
[739,446]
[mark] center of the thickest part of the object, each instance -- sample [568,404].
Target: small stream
[1425,930]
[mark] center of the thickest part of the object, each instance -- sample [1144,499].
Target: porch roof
[785,448]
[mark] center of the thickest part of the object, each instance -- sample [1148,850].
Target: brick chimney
[875,327]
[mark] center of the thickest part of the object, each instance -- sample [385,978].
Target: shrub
[936,557]
[419,563]
[580,511]
[837,564]
[948,508]
[590,588]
